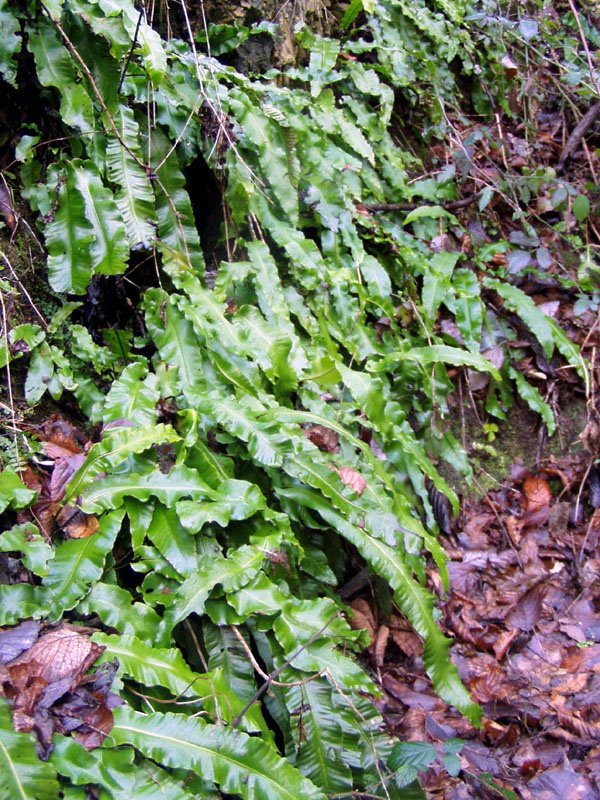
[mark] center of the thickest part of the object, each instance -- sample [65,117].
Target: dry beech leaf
[62,653]
[528,610]
[353,479]
[537,493]
[409,643]
[503,642]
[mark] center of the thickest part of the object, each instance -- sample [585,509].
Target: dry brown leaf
[381,641]
[363,618]
[537,493]
[409,643]
[490,685]
[528,609]
[504,641]
[322,437]
[82,526]
[353,479]
[62,653]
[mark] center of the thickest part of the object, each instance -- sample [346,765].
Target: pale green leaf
[116,445]
[238,763]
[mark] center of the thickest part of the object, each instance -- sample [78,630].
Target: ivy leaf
[581,207]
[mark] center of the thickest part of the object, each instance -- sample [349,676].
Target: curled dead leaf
[383,634]
[322,437]
[353,479]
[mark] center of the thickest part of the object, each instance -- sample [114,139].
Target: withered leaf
[353,479]
[14,641]
[528,610]
[383,634]
[62,653]
[81,526]
[442,509]
[64,469]
[562,784]
[322,437]
[537,493]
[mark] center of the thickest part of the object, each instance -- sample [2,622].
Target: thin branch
[22,288]
[455,205]
[9,379]
[95,89]
[279,670]
[261,671]
[130,53]
[577,135]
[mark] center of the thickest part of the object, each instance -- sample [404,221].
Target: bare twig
[455,205]
[280,669]
[95,89]
[130,53]
[8,375]
[22,288]
[577,135]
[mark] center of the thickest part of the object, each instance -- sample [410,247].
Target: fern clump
[237,666]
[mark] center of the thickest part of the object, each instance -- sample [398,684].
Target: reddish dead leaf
[491,685]
[510,68]
[408,696]
[514,528]
[537,492]
[572,721]
[53,669]
[528,610]
[324,438]
[31,479]
[56,430]
[353,479]
[503,642]
[549,753]
[65,466]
